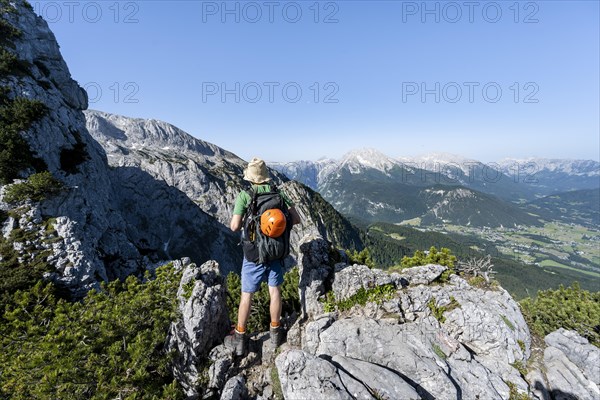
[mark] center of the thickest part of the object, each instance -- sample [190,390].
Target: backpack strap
[250,213]
[252,207]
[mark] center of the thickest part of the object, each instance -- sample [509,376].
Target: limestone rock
[204,323]
[312,332]
[315,270]
[386,383]
[304,376]
[235,389]
[578,350]
[423,275]
[571,366]
[404,348]
[349,279]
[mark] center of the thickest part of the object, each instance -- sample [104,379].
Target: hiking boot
[277,336]
[238,342]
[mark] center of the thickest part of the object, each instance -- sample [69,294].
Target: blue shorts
[253,274]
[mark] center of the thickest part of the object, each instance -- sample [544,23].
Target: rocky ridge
[420,334]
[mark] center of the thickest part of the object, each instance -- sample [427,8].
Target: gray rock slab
[380,380]
[304,376]
[578,350]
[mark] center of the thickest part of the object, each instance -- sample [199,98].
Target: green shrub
[377,294]
[514,393]
[17,115]
[433,256]
[438,311]
[439,352]
[510,325]
[110,345]
[7,32]
[21,273]
[570,308]
[276,384]
[362,257]
[480,282]
[188,289]
[519,366]
[8,61]
[36,188]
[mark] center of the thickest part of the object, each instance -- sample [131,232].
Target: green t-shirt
[243,200]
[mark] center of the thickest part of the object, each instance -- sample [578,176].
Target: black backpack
[258,247]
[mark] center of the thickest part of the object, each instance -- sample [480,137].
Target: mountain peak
[367,157]
[138,133]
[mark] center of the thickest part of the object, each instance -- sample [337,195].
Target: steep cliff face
[61,140]
[207,174]
[110,221]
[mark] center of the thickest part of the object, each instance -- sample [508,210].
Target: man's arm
[236,223]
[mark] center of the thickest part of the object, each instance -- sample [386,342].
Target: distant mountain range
[440,188]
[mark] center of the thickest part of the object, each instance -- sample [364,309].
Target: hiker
[264,248]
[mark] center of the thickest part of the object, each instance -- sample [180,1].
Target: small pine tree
[362,257]
[36,188]
[433,256]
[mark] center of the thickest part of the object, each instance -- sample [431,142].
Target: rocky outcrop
[571,365]
[426,336]
[442,341]
[204,322]
[304,376]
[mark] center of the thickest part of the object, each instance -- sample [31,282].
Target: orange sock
[275,324]
[240,329]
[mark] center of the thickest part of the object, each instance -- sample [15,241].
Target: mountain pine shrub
[433,256]
[438,311]
[8,61]
[362,257]
[17,115]
[571,308]
[109,345]
[36,188]
[22,269]
[377,294]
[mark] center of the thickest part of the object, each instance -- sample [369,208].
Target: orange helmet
[272,223]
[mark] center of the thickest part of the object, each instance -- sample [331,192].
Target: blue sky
[306,79]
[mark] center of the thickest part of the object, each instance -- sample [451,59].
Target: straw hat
[256,172]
